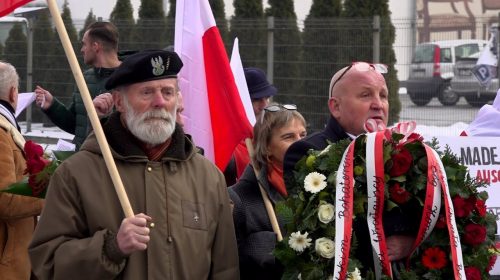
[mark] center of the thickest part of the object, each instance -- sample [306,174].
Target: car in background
[465,84]
[431,70]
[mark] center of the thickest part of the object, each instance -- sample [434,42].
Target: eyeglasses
[276,108]
[361,67]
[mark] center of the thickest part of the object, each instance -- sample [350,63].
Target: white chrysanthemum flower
[326,150]
[355,275]
[315,182]
[325,247]
[326,212]
[299,242]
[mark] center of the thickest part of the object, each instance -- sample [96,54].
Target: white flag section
[241,82]
[215,116]
[487,120]
[192,81]
[486,66]
[23,101]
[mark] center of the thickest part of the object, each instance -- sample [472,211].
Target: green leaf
[21,188]
[62,155]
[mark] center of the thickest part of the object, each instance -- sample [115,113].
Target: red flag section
[229,122]
[8,6]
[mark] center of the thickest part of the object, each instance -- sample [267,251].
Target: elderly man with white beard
[183,229]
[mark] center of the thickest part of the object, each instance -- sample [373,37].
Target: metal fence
[284,51]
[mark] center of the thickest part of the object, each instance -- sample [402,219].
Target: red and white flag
[215,115]
[8,6]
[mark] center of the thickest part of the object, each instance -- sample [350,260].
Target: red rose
[401,163]
[472,273]
[31,149]
[35,165]
[434,258]
[474,234]
[399,194]
[481,207]
[463,207]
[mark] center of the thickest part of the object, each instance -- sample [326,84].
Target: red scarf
[275,177]
[155,153]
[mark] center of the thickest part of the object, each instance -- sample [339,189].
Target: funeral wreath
[363,180]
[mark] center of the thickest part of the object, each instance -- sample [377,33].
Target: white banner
[482,156]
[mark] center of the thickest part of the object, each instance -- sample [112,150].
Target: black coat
[316,141]
[254,233]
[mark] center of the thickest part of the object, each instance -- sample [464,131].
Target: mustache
[157,114]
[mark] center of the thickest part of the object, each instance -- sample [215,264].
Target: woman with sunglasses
[277,127]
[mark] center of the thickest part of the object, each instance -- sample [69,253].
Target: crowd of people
[192,220]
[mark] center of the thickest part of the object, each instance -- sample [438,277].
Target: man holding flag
[184,228]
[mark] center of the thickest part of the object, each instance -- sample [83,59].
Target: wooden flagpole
[267,202]
[89,106]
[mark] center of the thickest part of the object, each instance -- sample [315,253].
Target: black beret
[145,66]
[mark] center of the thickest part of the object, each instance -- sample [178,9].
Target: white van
[431,70]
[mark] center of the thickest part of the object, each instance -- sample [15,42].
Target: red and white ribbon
[456,247]
[344,198]
[375,185]
[432,205]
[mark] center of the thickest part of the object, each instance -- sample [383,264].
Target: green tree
[60,76]
[320,57]
[249,25]
[150,31]
[170,30]
[91,18]
[43,38]
[122,16]
[15,52]
[287,50]
[361,44]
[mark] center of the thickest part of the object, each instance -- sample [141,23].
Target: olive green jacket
[185,194]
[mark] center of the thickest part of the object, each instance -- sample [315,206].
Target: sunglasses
[276,108]
[361,67]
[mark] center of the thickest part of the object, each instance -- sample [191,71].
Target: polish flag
[215,116]
[8,6]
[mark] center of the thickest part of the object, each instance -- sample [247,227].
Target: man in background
[100,50]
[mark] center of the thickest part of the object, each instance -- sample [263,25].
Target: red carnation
[472,273]
[434,258]
[463,207]
[399,194]
[474,234]
[401,163]
[481,207]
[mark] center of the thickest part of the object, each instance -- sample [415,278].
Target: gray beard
[152,127]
